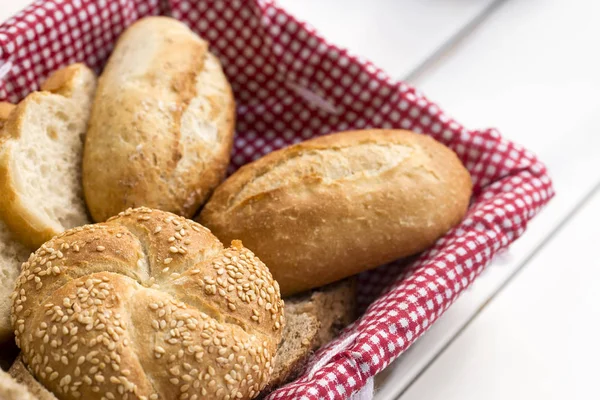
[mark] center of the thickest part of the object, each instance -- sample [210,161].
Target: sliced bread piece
[299,338]
[12,255]
[333,305]
[312,320]
[40,157]
[19,372]
[10,389]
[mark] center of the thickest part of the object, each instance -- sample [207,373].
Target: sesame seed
[100,248]
[157,229]
[173,249]
[167,260]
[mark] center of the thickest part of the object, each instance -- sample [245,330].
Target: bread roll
[40,157]
[162,126]
[333,206]
[147,305]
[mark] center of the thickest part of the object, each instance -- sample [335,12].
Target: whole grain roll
[162,124]
[331,207]
[148,305]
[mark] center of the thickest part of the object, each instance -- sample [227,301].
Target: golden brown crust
[5,110]
[162,125]
[63,81]
[331,207]
[147,303]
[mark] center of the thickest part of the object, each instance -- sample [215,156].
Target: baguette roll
[162,124]
[334,206]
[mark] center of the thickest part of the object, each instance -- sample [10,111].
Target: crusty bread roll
[40,157]
[148,304]
[162,125]
[331,207]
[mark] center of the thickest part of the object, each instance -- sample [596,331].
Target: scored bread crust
[148,304]
[162,125]
[333,206]
[64,102]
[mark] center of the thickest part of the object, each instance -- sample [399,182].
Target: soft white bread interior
[40,157]
[10,389]
[147,305]
[12,255]
[162,124]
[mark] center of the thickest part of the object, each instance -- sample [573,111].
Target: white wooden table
[528,328]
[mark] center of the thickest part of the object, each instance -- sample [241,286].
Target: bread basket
[290,85]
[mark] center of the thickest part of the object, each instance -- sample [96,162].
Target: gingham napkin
[290,85]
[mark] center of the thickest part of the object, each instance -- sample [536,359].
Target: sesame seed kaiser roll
[148,305]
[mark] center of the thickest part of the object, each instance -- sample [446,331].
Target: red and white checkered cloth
[291,84]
